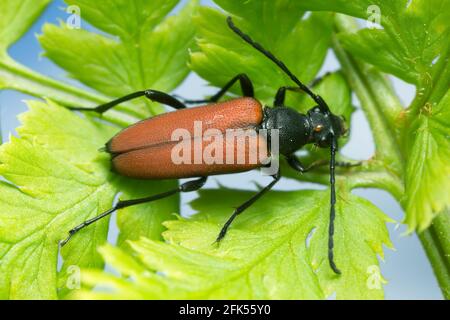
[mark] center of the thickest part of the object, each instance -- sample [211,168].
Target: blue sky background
[407,269]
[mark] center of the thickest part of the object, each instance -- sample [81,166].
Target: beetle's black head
[325,126]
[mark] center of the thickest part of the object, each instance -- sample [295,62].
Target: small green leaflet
[414,34]
[145,55]
[12,28]
[428,170]
[268,254]
[16,18]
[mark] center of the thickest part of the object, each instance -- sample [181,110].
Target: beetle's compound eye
[318,128]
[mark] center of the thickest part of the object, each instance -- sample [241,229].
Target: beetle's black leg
[295,164]
[280,97]
[247,204]
[246,87]
[153,95]
[185,187]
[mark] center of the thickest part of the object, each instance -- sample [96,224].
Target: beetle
[143,150]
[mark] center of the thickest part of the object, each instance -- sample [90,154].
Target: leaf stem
[370,174]
[436,242]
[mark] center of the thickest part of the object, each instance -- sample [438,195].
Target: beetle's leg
[295,164]
[185,187]
[280,97]
[246,87]
[153,95]
[247,204]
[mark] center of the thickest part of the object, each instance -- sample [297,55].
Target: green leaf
[428,170]
[59,179]
[145,55]
[17,18]
[53,193]
[55,176]
[221,54]
[128,20]
[413,37]
[265,255]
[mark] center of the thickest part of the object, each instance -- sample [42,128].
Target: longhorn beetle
[143,150]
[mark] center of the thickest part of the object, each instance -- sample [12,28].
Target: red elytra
[144,150]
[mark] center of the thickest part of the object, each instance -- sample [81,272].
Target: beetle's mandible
[143,150]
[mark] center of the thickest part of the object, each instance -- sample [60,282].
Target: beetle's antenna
[320,102]
[334,147]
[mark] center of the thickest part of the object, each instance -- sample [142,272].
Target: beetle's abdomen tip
[106,148]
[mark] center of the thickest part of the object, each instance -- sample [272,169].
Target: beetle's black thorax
[294,128]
